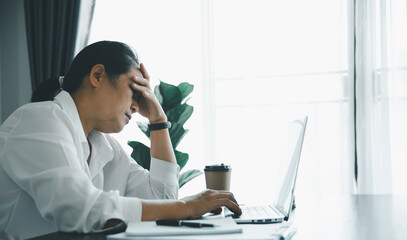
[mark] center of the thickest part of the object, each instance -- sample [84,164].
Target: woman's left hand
[148,104]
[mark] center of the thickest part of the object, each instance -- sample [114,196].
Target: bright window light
[255,64]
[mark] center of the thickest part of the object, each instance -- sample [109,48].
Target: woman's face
[116,103]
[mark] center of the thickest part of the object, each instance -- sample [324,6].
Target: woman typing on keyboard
[60,170]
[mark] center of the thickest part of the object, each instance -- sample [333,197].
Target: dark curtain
[51,34]
[354,94]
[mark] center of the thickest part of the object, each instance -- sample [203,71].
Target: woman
[59,168]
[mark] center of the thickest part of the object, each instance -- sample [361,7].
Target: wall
[15,82]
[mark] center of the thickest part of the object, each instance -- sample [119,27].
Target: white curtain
[394,51]
[85,20]
[372,101]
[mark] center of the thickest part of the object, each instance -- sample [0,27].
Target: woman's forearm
[164,209]
[161,146]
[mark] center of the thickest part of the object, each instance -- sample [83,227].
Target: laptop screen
[289,165]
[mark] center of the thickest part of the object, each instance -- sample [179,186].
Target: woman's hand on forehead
[144,71]
[141,85]
[142,79]
[149,106]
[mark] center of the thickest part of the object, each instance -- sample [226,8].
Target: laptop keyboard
[257,212]
[253,212]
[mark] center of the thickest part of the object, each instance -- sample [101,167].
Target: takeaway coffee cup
[218,177]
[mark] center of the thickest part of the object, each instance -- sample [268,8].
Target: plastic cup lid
[218,168]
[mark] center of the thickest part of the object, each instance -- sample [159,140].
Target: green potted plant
[173,100]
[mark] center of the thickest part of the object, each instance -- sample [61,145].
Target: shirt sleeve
[161,182]
[41,157]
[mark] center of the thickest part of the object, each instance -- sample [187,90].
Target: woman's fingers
[228,195]
[232,206]
[212,201]
[142,89]
[141,81]
[141,85]
[225,194]
[144,71]
[217,211]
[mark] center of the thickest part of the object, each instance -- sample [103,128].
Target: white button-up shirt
[46,184]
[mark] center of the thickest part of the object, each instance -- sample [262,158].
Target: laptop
[279,209]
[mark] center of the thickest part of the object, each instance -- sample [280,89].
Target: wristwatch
[159,126]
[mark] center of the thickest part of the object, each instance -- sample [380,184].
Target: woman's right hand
[192,207]
[211,201]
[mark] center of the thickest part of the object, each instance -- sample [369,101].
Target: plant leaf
[182,159]
[185,89]
[158,95]
[177,133]
[171,95]
[144,128]
[185,115]
[141,153]
[180,114]
[188,176]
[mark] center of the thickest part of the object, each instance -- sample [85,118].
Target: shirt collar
[67,104]
[102,152]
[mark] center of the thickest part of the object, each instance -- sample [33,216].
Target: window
[255,65]
[392,69]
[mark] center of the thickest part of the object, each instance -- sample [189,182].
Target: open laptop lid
[289,166]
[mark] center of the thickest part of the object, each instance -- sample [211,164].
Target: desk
[351,217]
[328,217]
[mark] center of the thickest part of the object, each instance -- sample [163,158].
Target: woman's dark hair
[116,57]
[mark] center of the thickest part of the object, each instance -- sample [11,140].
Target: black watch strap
[159,126]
